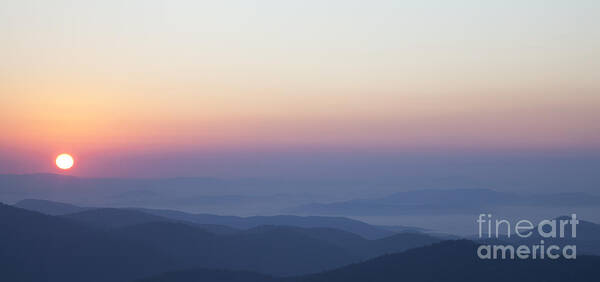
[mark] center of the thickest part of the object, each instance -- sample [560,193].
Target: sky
[298,88]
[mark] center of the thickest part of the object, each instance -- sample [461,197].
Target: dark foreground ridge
[446,261]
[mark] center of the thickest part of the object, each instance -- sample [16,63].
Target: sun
[64,161]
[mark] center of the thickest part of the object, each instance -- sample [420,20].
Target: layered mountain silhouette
[446,261]
[218,196]
[113,218]
[214,222]
[249,197]
[278,250]
[363,229]
[49,207]
[128,244]
[37,247]
[587,237]
[457,201]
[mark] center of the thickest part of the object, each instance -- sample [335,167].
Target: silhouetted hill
[357,246]
[107,217]
[48,207]
[279,251]
[363,229]
[458,261]
[218,229]
[402,229]
[398,243]
[113,218]
[334,236]
[37,247]
[449,261]
[587,239]
[209,275]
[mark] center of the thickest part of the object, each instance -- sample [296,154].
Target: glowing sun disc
[64,161]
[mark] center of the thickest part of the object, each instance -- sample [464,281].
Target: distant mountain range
[31,238]
[190,193]
[107,244]
[363,229]
[431,202]
[144,215]
[450,261]
[49,207]
[251,197]
[346,233]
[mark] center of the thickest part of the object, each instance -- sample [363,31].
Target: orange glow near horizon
[208,78]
